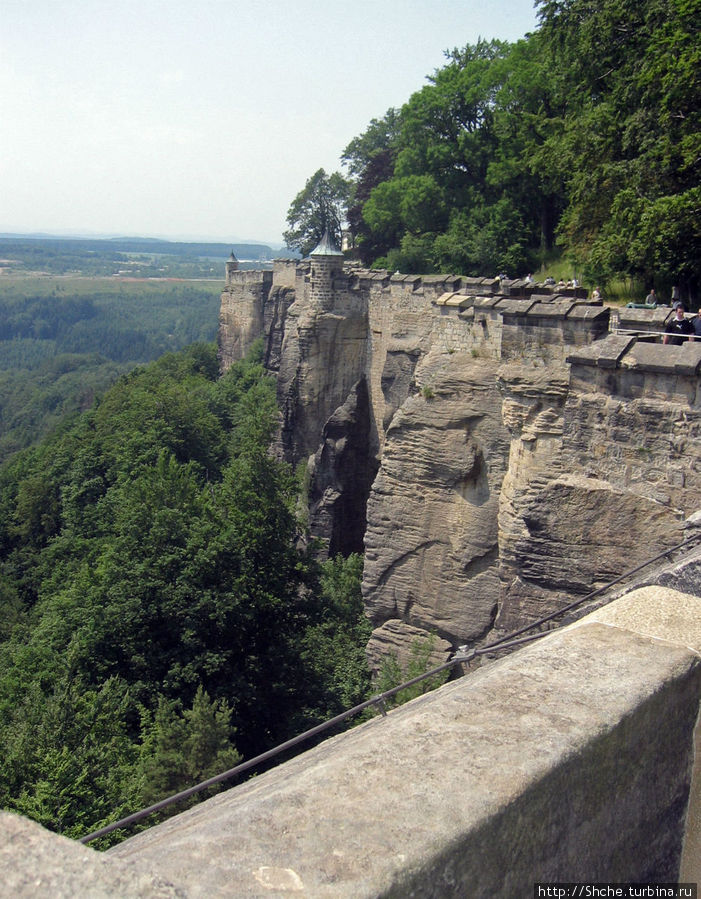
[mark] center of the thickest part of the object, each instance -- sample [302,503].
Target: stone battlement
[526,450]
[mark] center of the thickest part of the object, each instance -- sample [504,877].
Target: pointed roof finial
[326,246]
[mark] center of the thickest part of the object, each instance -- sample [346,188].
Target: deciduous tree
[320,206]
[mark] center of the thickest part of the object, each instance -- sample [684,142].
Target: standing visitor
[679,327]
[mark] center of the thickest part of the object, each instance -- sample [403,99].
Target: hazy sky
[204,118]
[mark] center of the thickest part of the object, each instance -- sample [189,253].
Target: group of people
[561,284]
[680,328]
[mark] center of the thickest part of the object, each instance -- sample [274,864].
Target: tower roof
[326,247]
[232,257]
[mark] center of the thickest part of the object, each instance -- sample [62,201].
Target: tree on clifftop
[320,205]
[628,146]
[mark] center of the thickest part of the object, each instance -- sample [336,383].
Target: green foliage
[370,160]
[392,674]
[158,617]
[183,748]
[64,343]
[461,196]
[321,205]
[67,755]
[335,647]
[628,142]
[585,132]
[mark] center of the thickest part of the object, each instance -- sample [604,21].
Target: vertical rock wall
[432,540]
[323,356]
[493,448]
[241,315]
[605,465]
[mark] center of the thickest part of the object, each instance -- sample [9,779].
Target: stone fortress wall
[490,445]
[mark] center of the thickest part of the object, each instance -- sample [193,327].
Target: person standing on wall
[678,327]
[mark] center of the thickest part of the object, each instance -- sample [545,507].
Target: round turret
[232,265]
[327,262]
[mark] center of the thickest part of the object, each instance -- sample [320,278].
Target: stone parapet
[538,328]
[606,353]
[643,319]
[570,760]
[38,864]
[621,365]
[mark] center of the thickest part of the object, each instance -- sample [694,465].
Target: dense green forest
[63,341]
[581,139]
[158,614]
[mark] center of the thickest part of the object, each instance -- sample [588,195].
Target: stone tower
[327,263]
[232,265]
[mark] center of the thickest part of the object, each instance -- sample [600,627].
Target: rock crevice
[491,446]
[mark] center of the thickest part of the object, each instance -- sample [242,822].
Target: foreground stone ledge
[569,760]
[667,614]
[37,864]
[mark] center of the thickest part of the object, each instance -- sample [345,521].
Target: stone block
[485,302]
[36,863]
[515,307]
[558,309]
[646,319]
[666,359]
[588,312]
[605,353]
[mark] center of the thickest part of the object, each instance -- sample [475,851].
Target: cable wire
[461,656]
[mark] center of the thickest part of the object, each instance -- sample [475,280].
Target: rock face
[493,447]
[340,475]
[322,359]
[604,467]
[432,539]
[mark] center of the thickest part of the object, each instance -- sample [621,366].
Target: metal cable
[462,656]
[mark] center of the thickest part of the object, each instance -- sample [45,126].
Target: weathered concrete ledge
[665,614]
[569,760]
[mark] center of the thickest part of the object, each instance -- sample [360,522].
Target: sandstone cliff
[493,447]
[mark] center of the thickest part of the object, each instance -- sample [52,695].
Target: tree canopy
[628,145]
[158,616]
[319,207]
[583,136]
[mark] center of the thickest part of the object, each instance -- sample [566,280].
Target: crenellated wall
[490,447]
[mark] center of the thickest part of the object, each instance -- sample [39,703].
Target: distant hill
[141,257]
